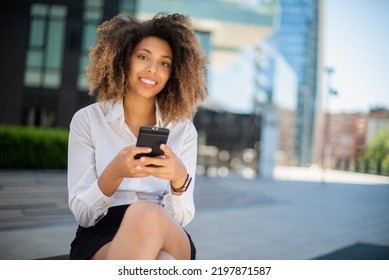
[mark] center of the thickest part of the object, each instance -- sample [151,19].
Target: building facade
[346,135]
[44,51]
[378,119]
[345,139]
[298,40]
[228,143]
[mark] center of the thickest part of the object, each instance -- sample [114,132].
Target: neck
[138,113]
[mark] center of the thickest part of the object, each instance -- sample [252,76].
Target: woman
[149,73]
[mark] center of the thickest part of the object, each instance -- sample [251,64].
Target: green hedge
[33,148]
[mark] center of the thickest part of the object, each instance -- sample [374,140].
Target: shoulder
[93,112]
[181,124]
[98,108]
[183,127]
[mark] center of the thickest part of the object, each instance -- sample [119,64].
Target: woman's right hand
[123,165]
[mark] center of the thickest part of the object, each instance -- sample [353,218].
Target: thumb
[167,151]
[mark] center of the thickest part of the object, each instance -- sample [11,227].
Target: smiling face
[150,67]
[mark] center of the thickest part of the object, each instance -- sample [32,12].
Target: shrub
[33,148]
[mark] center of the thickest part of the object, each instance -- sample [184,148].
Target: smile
[147,81]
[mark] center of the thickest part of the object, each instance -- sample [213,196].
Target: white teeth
[149,82]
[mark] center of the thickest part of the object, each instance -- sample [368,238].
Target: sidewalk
[296,216]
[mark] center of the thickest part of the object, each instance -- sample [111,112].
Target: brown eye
[165,64]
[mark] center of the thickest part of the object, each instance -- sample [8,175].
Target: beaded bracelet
[184,186]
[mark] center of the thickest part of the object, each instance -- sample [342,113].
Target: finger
[132,150]
[155,161]
[156,171]
[167,151]
[140,150]
[140,171]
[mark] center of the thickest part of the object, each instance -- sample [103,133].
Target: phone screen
[153,137]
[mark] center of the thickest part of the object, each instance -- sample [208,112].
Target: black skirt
[89,240]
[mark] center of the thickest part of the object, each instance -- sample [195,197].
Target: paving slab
[291,218]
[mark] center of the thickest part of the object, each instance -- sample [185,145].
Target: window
[127,6]
[205,41]
[45,47]
[36,116]
[93,13]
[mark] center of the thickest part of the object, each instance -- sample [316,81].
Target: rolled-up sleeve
[183,205]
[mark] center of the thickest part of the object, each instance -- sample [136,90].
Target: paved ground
[302,214]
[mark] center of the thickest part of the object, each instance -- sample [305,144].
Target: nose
[151,67]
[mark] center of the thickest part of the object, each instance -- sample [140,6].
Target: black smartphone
[153,137]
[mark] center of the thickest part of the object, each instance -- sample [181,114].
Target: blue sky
[357,47]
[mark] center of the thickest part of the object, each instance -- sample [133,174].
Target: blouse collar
[116,111]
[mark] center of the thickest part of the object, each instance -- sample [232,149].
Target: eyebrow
[164,56]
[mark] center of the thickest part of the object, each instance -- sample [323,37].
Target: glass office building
[297,40]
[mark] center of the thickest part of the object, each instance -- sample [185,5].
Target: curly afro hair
[110,59]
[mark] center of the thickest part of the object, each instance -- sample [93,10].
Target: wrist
[183,187]
[177,183]
[107,183]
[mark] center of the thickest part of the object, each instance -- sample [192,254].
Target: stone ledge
[58,257]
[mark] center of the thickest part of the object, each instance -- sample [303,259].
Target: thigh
[101,253]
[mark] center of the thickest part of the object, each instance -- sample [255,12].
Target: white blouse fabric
[97,133]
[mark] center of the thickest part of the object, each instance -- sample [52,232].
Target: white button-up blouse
[97,133]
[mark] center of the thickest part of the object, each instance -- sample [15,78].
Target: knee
[144,213]
[146,209]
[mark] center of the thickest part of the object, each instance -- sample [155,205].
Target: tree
[376,155]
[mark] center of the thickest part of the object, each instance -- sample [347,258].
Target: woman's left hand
[168,167]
